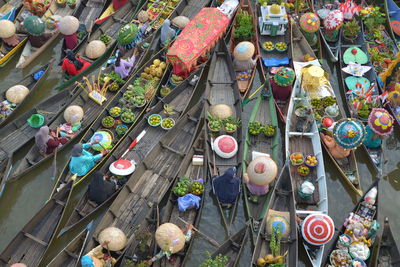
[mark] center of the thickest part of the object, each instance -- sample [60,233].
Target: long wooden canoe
[281,204]
[30,53]
[18,134]
[32,242]
[308,142]
[264,111]
[387,250]
[87,12]
[179,98]
[375,155]
[358,211]
[150,181]
[331,47]
[391,9]
[32,84]
[222,88]
[69,256]
[232,248]
[97,125]
[284,58]
[245,7]
[171,212]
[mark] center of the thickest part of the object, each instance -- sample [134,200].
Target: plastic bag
[188,201]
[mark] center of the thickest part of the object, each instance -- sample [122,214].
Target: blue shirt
[83,164]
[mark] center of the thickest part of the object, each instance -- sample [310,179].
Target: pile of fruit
[303,170]
[269,46]
[155,8]
[296,158]
[197,188]
[231,124]
[186,186]
[121,129]
[114,87]
[128,116]
[115,111]
[281,46]
[108,122]
[255,128]
[139,101]
[105,38]
[167,123]
[243,75]
[165,91]
[154,71]
[175,79]
[215,125]
[311,161]
[154,120]
[269,130]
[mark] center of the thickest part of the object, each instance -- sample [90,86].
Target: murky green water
[24,198]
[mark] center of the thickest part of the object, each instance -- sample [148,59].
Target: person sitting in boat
[243,57]
[48,141]
[96,258]
[100,189]
[227,187]
[261,172]
[123,67]
[117,4]
[167,33]
[380,123]
[35,27]
[74,65]
[8,33]
[338,152]
[83,161]
[282,84]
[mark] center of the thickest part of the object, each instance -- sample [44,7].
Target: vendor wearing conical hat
[35,28]
[243,57]
[282,83]
[68,26]
[380,124]
[7,33]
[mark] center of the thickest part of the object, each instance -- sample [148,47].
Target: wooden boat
[179,98]
[348,168]
[388,252]
[232,248]
[69,256]
[391,9]
[222,88]
[18,133]
[171,212]
[31,243]
[86,13]
[264,111]
[358,210]
[9,9]
[307,141]
[29,82]
[245,7]
[375,155]
[331,47]
[283,57]
[30,53]
[281,204]
[97,124]
[150,181]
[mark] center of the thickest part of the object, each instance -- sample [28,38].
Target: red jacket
[69,66]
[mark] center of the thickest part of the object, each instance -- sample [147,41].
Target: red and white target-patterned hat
[122,167]
[318,229]
[225,146]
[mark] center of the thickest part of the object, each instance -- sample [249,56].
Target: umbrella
[333,20]
[68,25]
[34,25]
[317,229]
[244,51]
[284,76]
[309,22]
[349,133]
[104,138]
[7,28]
[380,121]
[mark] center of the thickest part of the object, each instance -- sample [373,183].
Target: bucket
[36,121]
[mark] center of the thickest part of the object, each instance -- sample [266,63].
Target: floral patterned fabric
[198,37]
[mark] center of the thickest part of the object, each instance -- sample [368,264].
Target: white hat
[122,167]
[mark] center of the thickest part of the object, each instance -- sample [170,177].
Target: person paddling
[74,65]
[83,161]
[227,187]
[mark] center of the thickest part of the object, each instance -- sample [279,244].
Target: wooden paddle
[214,164]
[252,95]
[54,165]
[206,237]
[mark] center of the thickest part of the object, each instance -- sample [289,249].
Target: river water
[22,199]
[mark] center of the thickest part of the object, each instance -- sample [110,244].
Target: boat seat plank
[35,239]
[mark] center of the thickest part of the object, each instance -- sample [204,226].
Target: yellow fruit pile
[155,71]
[311,160]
